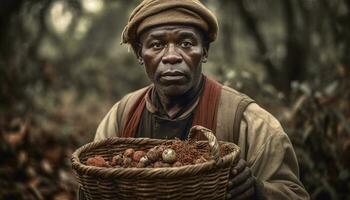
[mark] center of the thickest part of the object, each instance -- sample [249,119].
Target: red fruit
[138,155]
[97,161]
[129,153]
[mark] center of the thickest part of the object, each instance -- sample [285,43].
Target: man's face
[173,58]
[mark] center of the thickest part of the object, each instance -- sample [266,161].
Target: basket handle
[213,142]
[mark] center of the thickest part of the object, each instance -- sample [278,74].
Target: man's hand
[242,183]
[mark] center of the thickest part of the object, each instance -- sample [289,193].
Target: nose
[171,56]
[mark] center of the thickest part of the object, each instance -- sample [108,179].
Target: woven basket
[200,181]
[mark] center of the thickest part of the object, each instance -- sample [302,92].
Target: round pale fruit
[169,155]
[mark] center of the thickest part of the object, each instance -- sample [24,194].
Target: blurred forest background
[62,67]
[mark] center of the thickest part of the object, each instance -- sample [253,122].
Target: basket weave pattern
[201,181]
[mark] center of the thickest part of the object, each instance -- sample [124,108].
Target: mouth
[172,77]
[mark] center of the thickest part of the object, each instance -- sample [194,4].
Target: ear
[205,54]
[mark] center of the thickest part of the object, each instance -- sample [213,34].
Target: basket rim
[169,172]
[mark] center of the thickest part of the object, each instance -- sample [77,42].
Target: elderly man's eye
[186,44]
[157,45]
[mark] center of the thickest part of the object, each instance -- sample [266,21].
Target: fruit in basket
[173,153]
[129,153]
[177,164]
[117,160]
[169,155]
[144,160]
[158,164]
[138,155]
[127,162]
[140,165]
[154,154]
[97,161]
[115,182]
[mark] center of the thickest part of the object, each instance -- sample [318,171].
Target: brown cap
[152,13]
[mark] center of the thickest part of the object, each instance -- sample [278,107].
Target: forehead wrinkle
[152,35]
[161,30]
[180,33]
[187,34]
[157,34]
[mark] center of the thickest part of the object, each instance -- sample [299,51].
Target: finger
[238,167]
[241,177]
[248,194]
[235,191]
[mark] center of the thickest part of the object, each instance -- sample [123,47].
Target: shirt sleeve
[270,155]
[108,126]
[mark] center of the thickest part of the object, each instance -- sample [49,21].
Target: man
[171,39]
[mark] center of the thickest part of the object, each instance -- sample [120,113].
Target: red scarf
[205,113]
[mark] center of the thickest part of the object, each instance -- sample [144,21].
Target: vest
[205,114]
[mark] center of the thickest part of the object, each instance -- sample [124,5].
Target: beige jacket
[263,142]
